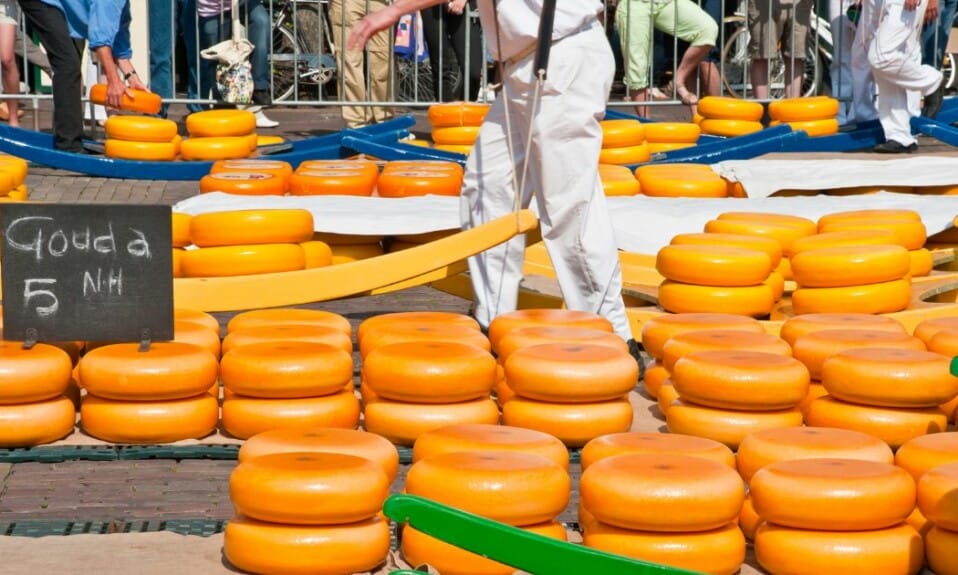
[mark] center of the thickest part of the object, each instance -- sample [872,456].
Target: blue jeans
[216,29]
[931,54]
[163,35]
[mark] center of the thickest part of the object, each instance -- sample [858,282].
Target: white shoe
[264,122]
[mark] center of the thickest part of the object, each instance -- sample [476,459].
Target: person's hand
[456,6]
[368,26]
[931,12]
[912,4]
[115,90]
[135,83]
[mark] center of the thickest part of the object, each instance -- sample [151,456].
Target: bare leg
[793,77]
[640,95]
[710,78]
[11,76]
[687,67]
[759,77]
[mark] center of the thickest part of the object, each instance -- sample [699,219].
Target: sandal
[687,98]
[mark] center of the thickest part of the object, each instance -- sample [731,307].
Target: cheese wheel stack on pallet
[623,142]
[681,181]
[783,228]
[404,178]
[905,225]
[815,115]
[670,509]
[287,368]
[33,406]
[247,177]
[835,515]
[455,125]
[219,135]
[920,455]
[299,510]
[729,117]
[518,487]
[941,336]
[667,136]
[13,173]
[141,138]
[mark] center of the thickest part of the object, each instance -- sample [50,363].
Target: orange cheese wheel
[843,239]
[618,180]
[785,233]
[421,549]
[215,123]
[281,169]
[263,547]
[655,443]
[288,316]
[910,233]
[457,114]
[680,180]
[251,227]
[504,323]
[658,330]
[889,377]
[181,229]
[539,334]
[850,265]
[944,342]
[415,317]
[918,455]
[286,369]
[411,182]
[672,132]
[198,335]
[729,128]
[896,549]
[141,101]
[167,371]
[866,215]
[575,424]
[806,225]
[788,443]
[143,151]
[894,426]
[814,128]
[770,247]
[726,426]
[198,317]
[754,301]
[244,417]
[940,545]
[622,133]
[571,372]
[252,333]
[797,326]
[324,440]
[655,375]
[722,108]
[832,494]
[814,347]
[243,183]
[748,519]
[719,552]
[511,487]
[16,167]
[215,148]
[928,328]
[36,423]
[667,396]
[440,166]
[390,333]
[403,423]
[455,135]
[429,371]
[308,488]
[713,265]
[36,374]
[664,147]
[318,254]
[803,109]
[343,254]
[937,495]
[922,262]
[139,128]
[626,155]
[740,379]
[815,390]
[485,437]
[149,421]
[683,344]
[241,260]
[341,182]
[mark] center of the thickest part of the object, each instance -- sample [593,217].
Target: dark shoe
[893,147]
[932,103]
[636,353]
[261,97]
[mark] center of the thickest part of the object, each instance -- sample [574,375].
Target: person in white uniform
[563,154]
[887,48]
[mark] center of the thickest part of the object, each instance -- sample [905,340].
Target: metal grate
[34,528]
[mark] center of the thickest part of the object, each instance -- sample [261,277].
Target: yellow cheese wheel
[571,372]
[264,547]
[181,229]
[141,101]
[286,369]
[149,421]
[402,423]
[804,551]
[925,452]
[788,443]
[803,109]
[672,132]
[575,424]
[680,180]
[412,182]
[814,128]
[457,114]
[723,425]
[770,247]
[718,552]
[217,123]
[843,239]
[782,231]
[937,494]
[317,333]
[246,227]
[713,265]
[654,443]
[36,423]
[198,317]
[391,333]
[683,344]
[244,417]
[429,371]
[143,151]
[894,426]
[806,225]
[658,330]
[922,262]
[622,133]
[663,147]
[341,182]
[318,254]
[308,488]
[243,260]
[243,183]
[911,234]
[280,169]
[755,301]
[797,326]
[137,128]
[618,180]
[198,335]
[940,545]
[867,215]
[288,316]
[27,375]
[814,347]
[876,298]
[414,318]
[167,371]
[850,266]
[485,437]
[889,377]
[722,108]
[16,167]
[455,135]
[504,323]
[636,154]
[655,375]
[523,337]
[215,148]
[740,379]
[730,128]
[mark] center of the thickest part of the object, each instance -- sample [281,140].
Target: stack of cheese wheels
[623,142]
[937,491]
[33,407]
[345,248]
[13,173]
[703,278]
[905,225]
[247,177]
[770,246]
[302,512]
[668,136]
[762,448]
[405,178]
[141,138]
[941,336]
[334,178]
[455,125]
[680,181]
[922,454]
[180,224]
[485,437]
[835,515]
[618,180]
[799,325]
[246,242]
[519,488]
[671,509]
[219,135]
[816,115]
[729,117]
[157,396]
[783,228]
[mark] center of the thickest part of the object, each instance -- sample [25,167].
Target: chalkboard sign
[86,272]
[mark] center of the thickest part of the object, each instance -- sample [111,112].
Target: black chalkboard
[86,272]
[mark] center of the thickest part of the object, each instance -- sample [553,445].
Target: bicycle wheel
[302,58]
[948,70]
[414,81]
[734,65]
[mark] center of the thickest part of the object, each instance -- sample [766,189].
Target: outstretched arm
[377,21]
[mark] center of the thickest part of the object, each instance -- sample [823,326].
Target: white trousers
[562,175]
[887,48]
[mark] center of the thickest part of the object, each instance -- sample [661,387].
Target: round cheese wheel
[894,426]
[198,335]
[814,347]
[922,262]
[927,329]
[217,123]
[723,425]
[391,333]
[785,233]
[925,452]
[403,423]
[655,375]
[243,183]
[215,148]
[411,182]
[142,151]
[429,371]
[28,375]
[523,337]
[740,379]
[658,330]
[843,239]
[457,114]
[36,423]
[167,371]
[869,214]
[937,494]
[241,260]
[722,108]
[940,545]
[680,180]
[755,300]
[575,424]
[198,317]
[415,317]
[286,369]
[280,169]
[618,180]
[672,132]
[141,101]
[803,109]
[504,323]
[654,443]
[813,128]
[713,265]
[621,133]
[729,128]
[146,422]
[455,135]
[139,128]
[850,265]
[806,225]
[770,247]
[246,227]
[626,155]
[288,316]
[910,233]
[945,342]
[797,326]
[318,254]
[689,342]
[332,182]
[252,333]
[244,417]
[485,437]
[571,372]
[889,377]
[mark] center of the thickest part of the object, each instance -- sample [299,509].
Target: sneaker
[262,121]
[932,103]
[636,353]
[893,147]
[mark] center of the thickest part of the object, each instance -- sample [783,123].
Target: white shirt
[519,22]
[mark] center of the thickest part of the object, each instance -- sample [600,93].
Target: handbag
[234,74]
